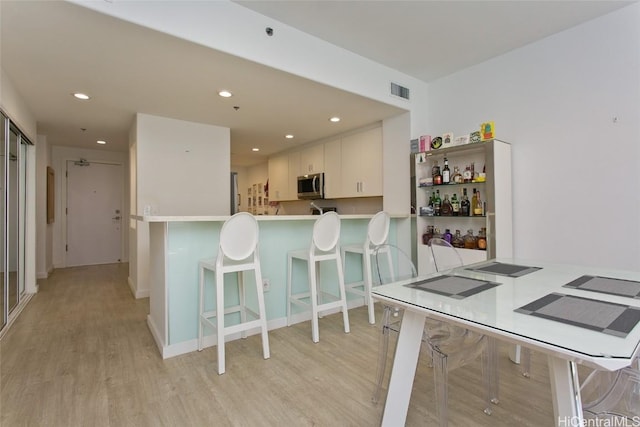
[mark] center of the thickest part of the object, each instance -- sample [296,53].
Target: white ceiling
[50,49]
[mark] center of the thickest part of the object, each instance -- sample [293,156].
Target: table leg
[404,369]
[565,392]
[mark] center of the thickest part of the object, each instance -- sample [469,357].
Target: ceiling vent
[400,91]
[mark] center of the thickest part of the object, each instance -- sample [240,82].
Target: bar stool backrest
[326,232]
[378,230]
[239,237]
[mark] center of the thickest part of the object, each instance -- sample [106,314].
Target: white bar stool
[237,252]
[377,234]
[324,247]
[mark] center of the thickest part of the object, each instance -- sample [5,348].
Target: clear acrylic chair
[324,247]
[613,398]
[237,252]
[377,234]
[449,346]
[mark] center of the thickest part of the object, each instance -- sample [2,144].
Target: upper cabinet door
[312,160]
[333,188]
[371,163]
[362,164]
[279,178]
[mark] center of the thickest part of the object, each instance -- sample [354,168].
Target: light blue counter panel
[188,242]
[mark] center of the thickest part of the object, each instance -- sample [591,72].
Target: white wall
[575,169]
[44,231]
[183,168]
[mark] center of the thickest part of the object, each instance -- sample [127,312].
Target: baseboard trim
[137,294]
[173,350]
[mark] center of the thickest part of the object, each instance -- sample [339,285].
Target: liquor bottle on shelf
[437,204]
[457,176]
[478,207]
[446,209]
[455,205]
[428,234]
[447,236]
[436,175]
[467,175]
[465,208]
[446,173]
[482,239]
[470,240]
[474,199]
[458,240]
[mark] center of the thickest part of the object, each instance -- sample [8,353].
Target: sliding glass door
[4,151]
[13,177]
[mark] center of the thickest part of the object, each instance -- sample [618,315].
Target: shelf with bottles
[469,240]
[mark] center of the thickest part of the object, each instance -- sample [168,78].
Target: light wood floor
[81,355]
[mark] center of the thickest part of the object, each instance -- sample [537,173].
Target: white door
[94,213]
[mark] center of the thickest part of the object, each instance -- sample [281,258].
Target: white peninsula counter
[176,243]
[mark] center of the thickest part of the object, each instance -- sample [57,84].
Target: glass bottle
[478,208]
[467,175]
[446,209]
[447,236]
[458,240]
[455,205]
[435,174]
[482,239]
[437,204]
[446,173]
[428,234]
[465,208]
[470,240]
[457,176]
[472,208]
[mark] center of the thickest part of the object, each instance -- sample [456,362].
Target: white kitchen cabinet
[362,164]
[495,157]
[312,160]
[333,169]
[279,178]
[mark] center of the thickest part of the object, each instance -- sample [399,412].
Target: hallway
[81,355]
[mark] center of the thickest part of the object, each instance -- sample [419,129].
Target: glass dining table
[573,314]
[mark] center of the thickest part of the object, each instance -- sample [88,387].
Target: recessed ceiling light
[255,149]
[289,136]
[82,96]
[101,142]
[334,119]
[225,94]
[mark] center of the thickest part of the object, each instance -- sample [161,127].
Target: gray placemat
[601,316]
[607,285]
[453,286]
[501,269]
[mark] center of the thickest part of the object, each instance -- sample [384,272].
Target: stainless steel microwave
[311,186]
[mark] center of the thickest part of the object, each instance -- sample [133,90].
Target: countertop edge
[215,218]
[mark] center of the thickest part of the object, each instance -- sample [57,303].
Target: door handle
[116,217]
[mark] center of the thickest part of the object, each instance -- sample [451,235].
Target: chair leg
[262,313]
[525,362]
[441,379]
[200,309]
[289,274]
[343,297]
[490,374]
[383,352]
[368,284]
[313,289]
[220,321]
[243,301]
